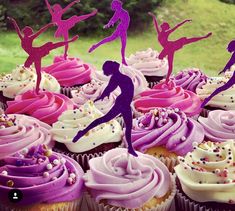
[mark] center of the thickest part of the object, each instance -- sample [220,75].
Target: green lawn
[209,55]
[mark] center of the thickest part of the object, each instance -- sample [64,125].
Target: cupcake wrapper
[184,204]
[152,84]
[164,206]
[120,121]
[169,162]
[67,206]
[204,112]
[82,159]
[67,90]
[3,106]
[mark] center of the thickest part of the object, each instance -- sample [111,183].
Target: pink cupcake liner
[164,206]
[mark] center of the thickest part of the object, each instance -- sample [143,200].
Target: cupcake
[147,62]
[24,79]
[18,132]
[166,133]
[224,100]
[45,106]
[219,126]
[71,72]
[190,79]
[206,179]
[167,95]
[100,139]
[47,181]
[119,181]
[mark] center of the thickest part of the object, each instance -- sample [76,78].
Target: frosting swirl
[219,126]
[224,100]
[70,72]
[19,131]
[46,106]
[71,121]
[148,63]
[43,176]
[23,79]
[190,79]
[207,174]
[166,127]
[168,95]
[126,181]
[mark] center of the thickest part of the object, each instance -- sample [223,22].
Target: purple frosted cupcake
[119,181]
[190,79]
[166,133]
[206,179]
[48,181]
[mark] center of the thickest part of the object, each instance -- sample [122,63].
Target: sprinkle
[40,160]
[56,162]
[176,110]
[48,153]
[19,163]
[62,160]
[72,175]
[54,178]
[25,151]
[217,171]
[49,166]
[45,174]
[5,173]
[183,138]
[70,181]
[195,144]
[10,183]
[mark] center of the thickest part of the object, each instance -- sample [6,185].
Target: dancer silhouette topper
[170,47]
[63,26]
[231,81]
[123,17]
[27,36]
[122,104]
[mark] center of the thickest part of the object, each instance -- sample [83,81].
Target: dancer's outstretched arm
[43,29]
[49,7]
[179,25]
[155,22]
[110,88]
[230,63]
[16,27]
[113,20]
[70,5]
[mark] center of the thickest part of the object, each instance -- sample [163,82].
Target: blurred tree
[228,1]
[34,13]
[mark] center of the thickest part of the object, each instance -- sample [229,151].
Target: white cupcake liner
[75,205]
[185,204]
[169,162]
[164,206]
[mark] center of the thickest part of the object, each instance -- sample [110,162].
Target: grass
[209,55]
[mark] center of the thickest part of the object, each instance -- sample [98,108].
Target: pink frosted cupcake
[72,72]
[45,106]
[119,181]
[168,95]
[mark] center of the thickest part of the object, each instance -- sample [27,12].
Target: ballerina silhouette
[231,81]
[64,26]
[122,103]
[121,30]
[170,47]
[36,53]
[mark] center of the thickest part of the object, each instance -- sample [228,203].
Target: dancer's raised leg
[127,117]
[196,39]
[60,44]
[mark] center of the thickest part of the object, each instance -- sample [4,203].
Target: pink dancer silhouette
[170,47]
[121,30]
[64,26]
[36,53]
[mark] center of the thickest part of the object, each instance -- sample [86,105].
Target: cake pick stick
[231,81]
[122,103]
[63,26]
[27,36]
[170,47]
[121,30]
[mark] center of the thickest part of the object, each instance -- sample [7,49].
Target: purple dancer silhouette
[122,103]
[64,26]
[231,81]
[170,47]
[36,53]
[121,30]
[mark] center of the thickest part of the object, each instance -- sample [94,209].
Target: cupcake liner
[185,204]
[67,90]
[3,106]
[152,84]
[153,80]
[66,206]
[120,121]
[204,112]
[169,162]
[164,206]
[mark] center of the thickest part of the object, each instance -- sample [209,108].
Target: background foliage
[34,13]
[228,1]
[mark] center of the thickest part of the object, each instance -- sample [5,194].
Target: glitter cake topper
[122,104]
[27,36]
[170,47]
[63,26]
[231,81]
[121,30]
